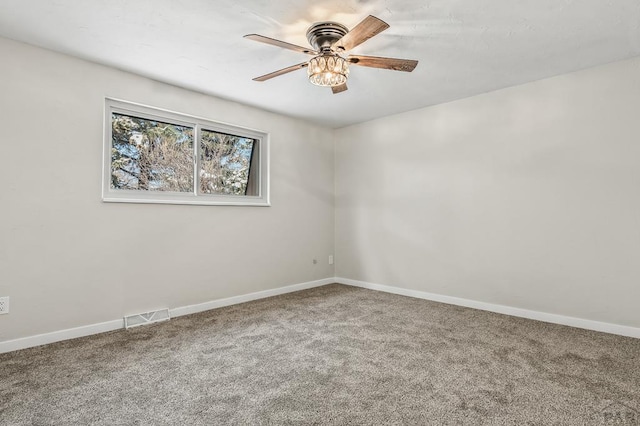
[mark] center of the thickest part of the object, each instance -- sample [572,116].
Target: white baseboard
[192,309]
[57,336]
[621,330]
[72,333]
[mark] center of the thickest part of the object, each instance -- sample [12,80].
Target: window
[156,156]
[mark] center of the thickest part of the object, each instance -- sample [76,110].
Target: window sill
[188,200]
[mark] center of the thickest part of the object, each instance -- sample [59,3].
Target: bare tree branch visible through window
[151,155]
[225,163]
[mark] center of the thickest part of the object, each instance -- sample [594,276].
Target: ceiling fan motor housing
[322,35]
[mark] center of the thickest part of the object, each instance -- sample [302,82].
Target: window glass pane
[225,163]
[150,155]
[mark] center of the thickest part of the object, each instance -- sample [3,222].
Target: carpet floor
[330,355]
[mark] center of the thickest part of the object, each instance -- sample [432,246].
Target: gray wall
[527,197]
[67,259]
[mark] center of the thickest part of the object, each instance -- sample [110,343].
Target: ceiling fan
[329,41]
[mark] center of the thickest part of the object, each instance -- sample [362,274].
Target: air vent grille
[146,318]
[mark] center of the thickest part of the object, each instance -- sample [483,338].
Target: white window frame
[261,150]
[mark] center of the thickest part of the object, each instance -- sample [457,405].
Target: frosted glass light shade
[328,70]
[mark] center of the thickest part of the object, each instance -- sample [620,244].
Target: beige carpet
[330,355]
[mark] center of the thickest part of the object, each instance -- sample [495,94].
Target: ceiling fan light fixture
[328,69]
[327,39]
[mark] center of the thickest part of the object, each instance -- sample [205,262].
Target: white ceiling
[465,47]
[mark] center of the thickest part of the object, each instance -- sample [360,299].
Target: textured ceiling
[465,47]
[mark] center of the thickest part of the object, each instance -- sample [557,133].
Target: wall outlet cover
[4,305]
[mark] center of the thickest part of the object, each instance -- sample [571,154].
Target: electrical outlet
[330,259]
[4,305]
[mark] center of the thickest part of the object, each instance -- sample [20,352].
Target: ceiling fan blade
[280,43]
[362,32]
[339,89]
[407,65]
[280,72]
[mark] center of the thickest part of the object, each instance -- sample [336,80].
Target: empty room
[330,212]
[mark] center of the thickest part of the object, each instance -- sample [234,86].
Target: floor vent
[146,318]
